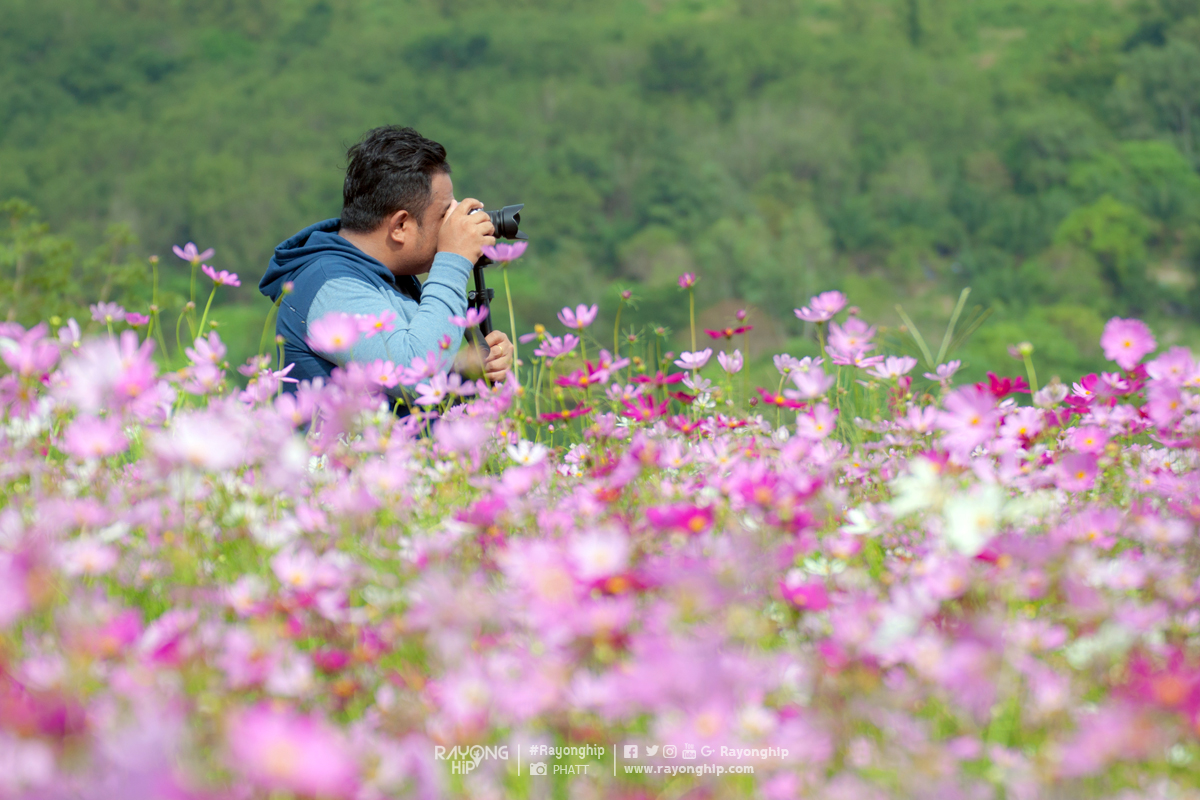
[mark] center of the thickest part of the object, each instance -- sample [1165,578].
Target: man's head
[396,193]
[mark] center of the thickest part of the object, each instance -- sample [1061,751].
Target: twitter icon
[651,749]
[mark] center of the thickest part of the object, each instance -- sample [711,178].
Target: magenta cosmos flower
[1126,341]
[687,280]
[580,318]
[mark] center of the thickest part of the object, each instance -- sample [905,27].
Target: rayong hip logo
[464,760]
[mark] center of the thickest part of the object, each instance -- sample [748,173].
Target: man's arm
[442,296]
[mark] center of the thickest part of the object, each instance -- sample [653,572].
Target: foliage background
[1041,152]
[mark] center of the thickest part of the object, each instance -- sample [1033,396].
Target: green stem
[512,320]
[617,329]
[178,323]
[962,301]
[158,330]
[537,392]
[745,368]
[916,334]
[207,306]
[692,310]
[262,340]
[1031,372]
[153,299]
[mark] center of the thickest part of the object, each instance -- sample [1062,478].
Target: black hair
[390,169]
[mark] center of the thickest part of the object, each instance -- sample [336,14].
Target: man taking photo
[399,220]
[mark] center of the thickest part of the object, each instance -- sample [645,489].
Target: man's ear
[401,227]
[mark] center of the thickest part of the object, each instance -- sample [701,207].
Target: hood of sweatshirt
[315,241]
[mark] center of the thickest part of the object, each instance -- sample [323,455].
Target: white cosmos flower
[527,453]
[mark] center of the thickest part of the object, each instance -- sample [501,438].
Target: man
[399,220]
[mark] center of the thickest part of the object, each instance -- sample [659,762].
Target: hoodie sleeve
[419,326]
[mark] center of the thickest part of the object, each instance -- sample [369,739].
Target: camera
[537,768]
[506,221]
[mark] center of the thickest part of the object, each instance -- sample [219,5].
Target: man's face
[419,259]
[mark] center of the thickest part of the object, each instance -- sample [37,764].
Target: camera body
[507,222]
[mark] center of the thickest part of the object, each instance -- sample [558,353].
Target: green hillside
[1041,152]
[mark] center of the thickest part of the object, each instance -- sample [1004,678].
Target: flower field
[865,582]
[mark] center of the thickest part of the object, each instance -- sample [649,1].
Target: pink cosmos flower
[210,350]
[281,750]
[694,361]
[333,333]
[580,318]
[87,556]
[29,352]
[969,419]
[730,362]
[687,280]
[1089,439]
[1174,366]
[944,372]
[420,369]
[88,437]
[70,334]
[556,346]
[818,423]
[1126,341]
[107,312]
[222,278]
[822,307]
[135,319]
[893,367]
[474,317]
[189,252]
[810,383]
[848,343]
[384,373]
[1077,472]
[371,324]
[503,251]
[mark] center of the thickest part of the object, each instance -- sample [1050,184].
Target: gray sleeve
[443,295]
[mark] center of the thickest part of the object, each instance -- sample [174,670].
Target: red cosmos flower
[645,409]
[683,397]
[660,379]
[779,400]
[681,516]
[1002,387]
[562,416]
[729,333]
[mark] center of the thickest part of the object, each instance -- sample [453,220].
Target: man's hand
[500,356]
[464,233]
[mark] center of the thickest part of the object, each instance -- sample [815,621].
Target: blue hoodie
[330,275]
